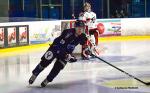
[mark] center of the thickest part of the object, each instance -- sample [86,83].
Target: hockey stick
[146,83]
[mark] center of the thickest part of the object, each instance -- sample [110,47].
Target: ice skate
[32,79]
[44,83]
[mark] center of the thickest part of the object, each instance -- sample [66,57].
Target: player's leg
[94,41]
[58,66]
[83,55]
[46,59]
[96,34]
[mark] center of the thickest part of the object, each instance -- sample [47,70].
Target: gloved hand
[87,51]
[95,51]
[70,58]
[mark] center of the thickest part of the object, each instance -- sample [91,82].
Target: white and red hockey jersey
[89,18]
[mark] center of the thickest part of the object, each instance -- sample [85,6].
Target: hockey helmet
[79,23]
[87,6]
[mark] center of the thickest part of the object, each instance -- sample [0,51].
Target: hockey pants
[47,58]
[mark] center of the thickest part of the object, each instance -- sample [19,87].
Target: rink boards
[36,47]
[45,31]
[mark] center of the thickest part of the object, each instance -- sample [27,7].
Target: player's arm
[64,33]
[89,50]
[69,57]
[83,39]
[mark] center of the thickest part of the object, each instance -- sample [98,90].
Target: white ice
[82,76]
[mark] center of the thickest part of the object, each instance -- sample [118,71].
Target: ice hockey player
[89,17]
[61,49]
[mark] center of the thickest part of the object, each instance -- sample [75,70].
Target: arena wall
[135,26]
[46,31]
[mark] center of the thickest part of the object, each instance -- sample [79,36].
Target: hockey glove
[70,58]
[87,51]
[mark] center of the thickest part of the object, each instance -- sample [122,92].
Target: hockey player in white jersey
[89,17]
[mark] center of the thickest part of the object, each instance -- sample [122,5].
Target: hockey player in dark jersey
[61,49]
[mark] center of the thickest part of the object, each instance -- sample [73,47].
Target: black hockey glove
[70,58]
[87,51]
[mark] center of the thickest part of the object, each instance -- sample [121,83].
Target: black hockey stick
[146,83]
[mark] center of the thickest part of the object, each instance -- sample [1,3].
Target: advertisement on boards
[23,35]
[111,27]
[1,37]
[108,27]
[45,31]
[11,36]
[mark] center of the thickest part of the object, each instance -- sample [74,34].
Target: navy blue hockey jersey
[67,41]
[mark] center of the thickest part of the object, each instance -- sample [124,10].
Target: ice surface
[82,76]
